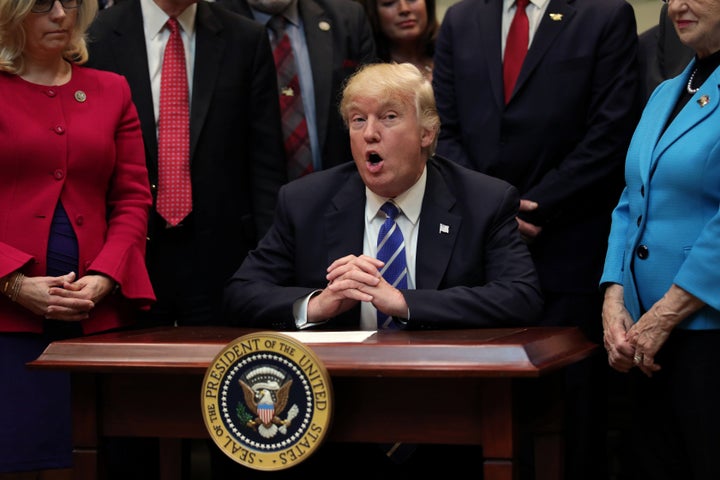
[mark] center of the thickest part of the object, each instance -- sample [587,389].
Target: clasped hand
[352,279]
[620,336]
[63,297]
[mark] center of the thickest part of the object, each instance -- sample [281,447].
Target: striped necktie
[391,250]
[294,125]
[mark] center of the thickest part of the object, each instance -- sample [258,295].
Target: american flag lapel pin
[444,228]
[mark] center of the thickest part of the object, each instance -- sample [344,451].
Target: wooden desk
[147,383]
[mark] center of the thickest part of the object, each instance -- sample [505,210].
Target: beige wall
[647,12]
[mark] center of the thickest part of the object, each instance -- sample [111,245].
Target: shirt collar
[540,4]
[409,202]
[154,18]
[291,14]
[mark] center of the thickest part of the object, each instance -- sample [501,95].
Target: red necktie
[294,125]
[174,200]
[515,47]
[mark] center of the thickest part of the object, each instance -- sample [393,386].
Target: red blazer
[81,144]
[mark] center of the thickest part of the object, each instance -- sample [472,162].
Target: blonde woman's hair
[399,81]
[13,35]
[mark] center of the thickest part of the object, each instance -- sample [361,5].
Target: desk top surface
[502,352]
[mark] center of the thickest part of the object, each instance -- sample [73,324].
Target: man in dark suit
[460,252]
[560,139]
[333,38]
[237,162]
[236,153]
[467,265]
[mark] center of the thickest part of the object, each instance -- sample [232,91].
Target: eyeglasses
[44,6]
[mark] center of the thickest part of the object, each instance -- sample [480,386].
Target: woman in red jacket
[74,201]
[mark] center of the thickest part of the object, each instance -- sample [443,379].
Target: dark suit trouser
[182,288]
[675,423]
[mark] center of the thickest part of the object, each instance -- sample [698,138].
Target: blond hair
[399,81]
[13,35]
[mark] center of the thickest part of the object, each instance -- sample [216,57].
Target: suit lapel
[702,104]
[557,16]
[130,52]
[209,48]
[344,220]
[345,226]
[437,233]
[489,23]
[320,49]
[651,134]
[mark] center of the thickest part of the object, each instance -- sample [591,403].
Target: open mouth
[374,158]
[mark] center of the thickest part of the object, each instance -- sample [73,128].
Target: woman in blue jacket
[661,312]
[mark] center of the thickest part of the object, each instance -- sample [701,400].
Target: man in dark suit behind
[561,140]
[236,153]
[335,38]
[237,161]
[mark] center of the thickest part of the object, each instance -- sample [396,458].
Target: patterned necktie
[294,125]
[516,47]
[174,199]
[391,250]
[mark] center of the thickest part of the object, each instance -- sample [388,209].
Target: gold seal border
[314,371]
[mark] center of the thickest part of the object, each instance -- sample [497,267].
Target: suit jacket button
[642,252]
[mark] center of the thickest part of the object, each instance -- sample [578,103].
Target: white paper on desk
[307,336]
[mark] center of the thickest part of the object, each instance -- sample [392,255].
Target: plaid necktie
[391,250]
[294,125]
[174,199]
[516,47]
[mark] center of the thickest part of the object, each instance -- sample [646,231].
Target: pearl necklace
[688,87]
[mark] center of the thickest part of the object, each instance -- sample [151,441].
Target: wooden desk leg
[498,432]
[85,426]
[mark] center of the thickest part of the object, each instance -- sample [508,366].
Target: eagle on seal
[266,400]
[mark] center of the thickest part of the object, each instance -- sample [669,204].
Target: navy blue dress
[35,412]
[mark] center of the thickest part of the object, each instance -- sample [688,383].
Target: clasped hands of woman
[632,344]
[64,298]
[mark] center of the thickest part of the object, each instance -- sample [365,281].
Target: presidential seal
[267,401]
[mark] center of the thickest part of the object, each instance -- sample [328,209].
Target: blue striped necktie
[391,250]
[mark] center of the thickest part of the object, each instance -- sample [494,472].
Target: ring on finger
[638,358]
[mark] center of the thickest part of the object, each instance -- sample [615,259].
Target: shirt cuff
[300,312]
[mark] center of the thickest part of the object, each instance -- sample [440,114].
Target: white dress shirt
[156,37]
